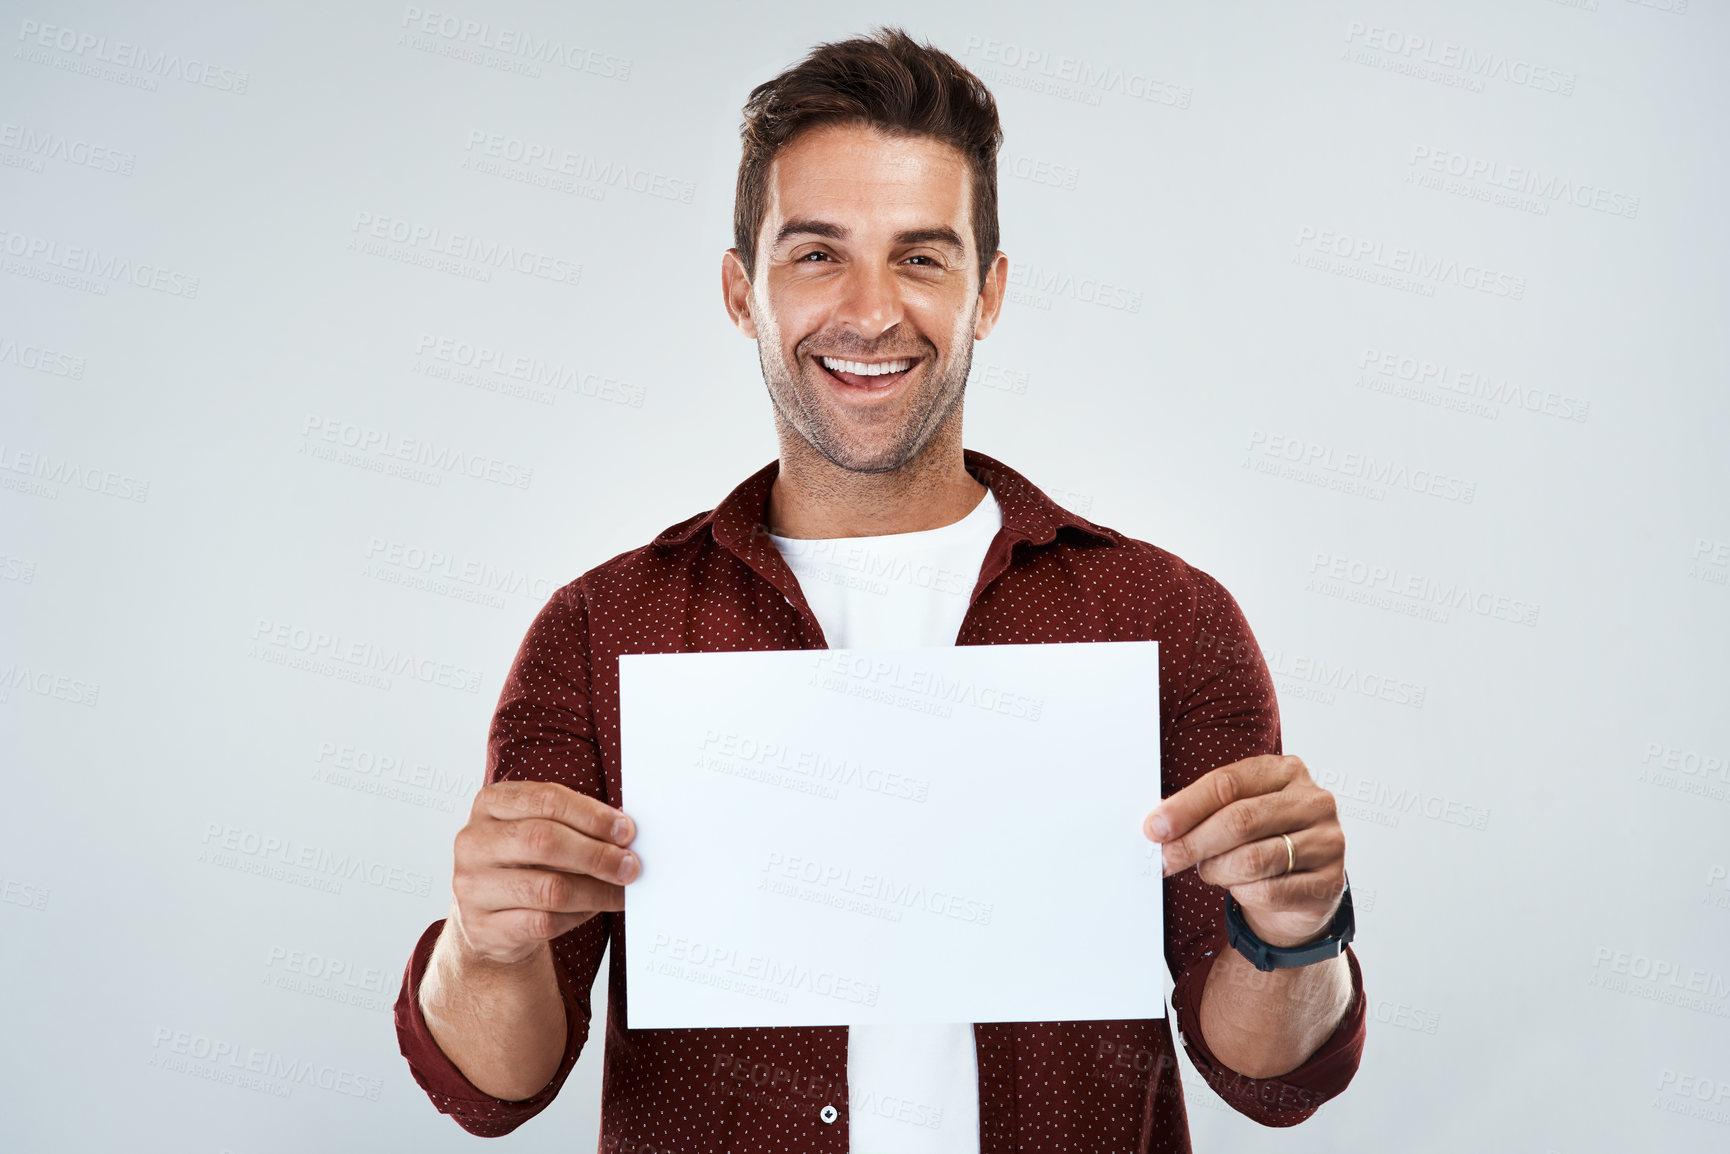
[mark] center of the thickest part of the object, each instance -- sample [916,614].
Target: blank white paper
[841,836]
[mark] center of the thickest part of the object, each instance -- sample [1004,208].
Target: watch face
[1345,920]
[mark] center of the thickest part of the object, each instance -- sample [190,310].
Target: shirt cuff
[1291,1097]
[451,1092]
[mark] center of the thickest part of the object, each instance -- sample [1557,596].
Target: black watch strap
[1265,957]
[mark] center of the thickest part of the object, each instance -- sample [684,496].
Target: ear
[736,292]
[991,295]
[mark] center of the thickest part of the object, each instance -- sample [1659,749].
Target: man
[865,265]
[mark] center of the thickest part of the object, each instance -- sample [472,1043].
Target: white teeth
[836,365]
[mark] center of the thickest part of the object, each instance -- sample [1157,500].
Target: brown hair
[890,82]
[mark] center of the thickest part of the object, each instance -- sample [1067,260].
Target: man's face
[865,261]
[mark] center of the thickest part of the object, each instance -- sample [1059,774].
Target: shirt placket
[994,1042]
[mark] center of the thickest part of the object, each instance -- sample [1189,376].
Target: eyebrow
[940,234]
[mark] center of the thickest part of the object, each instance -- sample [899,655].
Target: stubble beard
[815,422]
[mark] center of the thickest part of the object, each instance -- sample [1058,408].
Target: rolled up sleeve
[541,731]
[1294,1095]
[1222,708]
[451,1092]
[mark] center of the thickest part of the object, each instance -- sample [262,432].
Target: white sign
[840,836]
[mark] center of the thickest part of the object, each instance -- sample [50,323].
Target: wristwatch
[1265,957]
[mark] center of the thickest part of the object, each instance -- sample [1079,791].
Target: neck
[815,498]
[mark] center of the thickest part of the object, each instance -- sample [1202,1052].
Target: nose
[870,301]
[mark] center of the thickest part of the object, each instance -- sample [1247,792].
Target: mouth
[867,378]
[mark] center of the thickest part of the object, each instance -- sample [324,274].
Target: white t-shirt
[912,1089]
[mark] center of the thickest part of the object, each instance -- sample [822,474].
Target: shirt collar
[1028,514]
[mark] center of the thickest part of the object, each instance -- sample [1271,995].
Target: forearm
[502,1025]
[1264,1025]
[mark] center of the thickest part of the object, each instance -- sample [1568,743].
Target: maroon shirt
[716,582]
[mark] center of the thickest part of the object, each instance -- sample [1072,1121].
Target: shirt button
[827,1113]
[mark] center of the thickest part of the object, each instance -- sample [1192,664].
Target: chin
[857,458]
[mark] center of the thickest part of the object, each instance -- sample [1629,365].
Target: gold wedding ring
[1290,855]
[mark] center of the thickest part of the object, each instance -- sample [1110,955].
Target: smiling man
[865,265]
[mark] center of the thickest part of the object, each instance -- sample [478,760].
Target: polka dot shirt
[715,581]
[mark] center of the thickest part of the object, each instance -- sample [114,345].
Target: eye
[812,253]
[926,259]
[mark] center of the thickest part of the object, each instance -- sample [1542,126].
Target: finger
[1268,857]
[1216,789]
[1308,889]
[527,925]
[509,800]
[541,843]
[1242,822]
[492,891]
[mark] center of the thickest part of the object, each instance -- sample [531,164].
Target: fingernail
[1158,827]
[620,825]
[628,868]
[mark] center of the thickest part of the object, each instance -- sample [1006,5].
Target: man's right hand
[536,860]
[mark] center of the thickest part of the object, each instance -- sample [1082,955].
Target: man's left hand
[1228,825]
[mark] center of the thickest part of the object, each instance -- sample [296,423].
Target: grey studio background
[1405,320]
